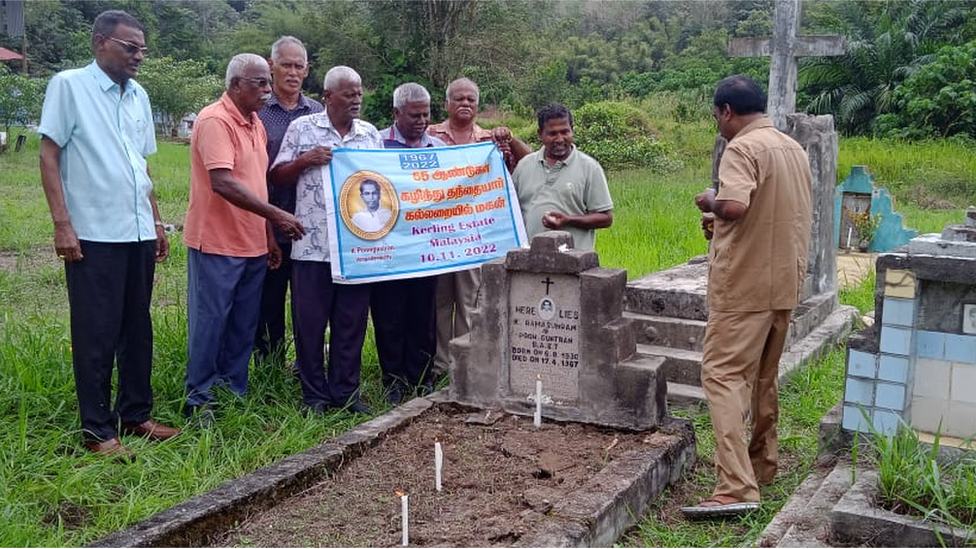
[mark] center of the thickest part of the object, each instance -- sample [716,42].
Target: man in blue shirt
[97,129]
[289,67]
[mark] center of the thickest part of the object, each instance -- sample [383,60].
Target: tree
[177,88]
[20,99]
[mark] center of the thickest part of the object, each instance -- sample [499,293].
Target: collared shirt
[442,131]
[276,119]
[105,135]
[304,134]
[575,186]
[758,262]
[224,139]
[393,139]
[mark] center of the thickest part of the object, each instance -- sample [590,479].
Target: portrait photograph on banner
[404,213]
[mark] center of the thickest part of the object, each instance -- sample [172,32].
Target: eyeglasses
[259,82]
[130,48]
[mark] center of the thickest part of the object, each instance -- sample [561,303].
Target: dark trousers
[404,315]
[109,293]
[270,339]
[317,303]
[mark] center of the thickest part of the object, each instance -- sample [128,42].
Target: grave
[669,307]
[917,364]
[549,316]
[856,198]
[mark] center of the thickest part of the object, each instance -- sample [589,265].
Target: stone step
[665,331]
[680,365]
[803,521]
[683,396]
[677,292]
[809,314]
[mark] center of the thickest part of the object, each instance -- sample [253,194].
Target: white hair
[287,41]
[339,74]
[460,82]
[239,64]
[410,92]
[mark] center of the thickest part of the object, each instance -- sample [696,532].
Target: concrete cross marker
[783,50]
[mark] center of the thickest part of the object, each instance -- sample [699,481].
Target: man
[289,67]
[317,303]
[561,188]
[404,310]
[757,262]
[107,229]
[457,293]
[228,234]
[372,218]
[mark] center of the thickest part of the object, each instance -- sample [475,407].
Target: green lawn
[54,494]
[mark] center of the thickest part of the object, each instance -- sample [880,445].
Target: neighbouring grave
[917,364]
[865,215]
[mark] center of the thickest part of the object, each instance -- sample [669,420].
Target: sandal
[719,506]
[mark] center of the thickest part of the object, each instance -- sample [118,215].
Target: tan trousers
[457,296]
[740,376]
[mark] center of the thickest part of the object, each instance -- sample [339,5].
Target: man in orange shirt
[229,234]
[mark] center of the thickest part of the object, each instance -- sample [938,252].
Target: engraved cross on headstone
[784,49]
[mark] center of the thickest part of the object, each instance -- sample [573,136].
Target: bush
[619,136]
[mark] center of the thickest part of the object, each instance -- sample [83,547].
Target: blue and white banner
[404,213]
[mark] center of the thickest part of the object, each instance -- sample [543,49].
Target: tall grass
[52,493]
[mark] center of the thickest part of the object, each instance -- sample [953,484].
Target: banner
[405,213]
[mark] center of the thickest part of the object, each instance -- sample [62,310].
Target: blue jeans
[223,302]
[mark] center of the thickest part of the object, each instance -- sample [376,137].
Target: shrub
[619,136]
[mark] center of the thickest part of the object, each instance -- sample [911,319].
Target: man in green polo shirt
[561,188]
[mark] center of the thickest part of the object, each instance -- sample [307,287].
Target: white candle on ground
[849,231]
[403,517]
[438,464]
[537,420]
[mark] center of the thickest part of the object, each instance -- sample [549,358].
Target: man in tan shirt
[757,262]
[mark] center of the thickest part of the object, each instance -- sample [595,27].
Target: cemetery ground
[52,493]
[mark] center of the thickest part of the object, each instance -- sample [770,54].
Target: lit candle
[438,464]
[537,420]
[849,231]
[403,517]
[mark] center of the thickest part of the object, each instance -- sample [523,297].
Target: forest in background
[909,71]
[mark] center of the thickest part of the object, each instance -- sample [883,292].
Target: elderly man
[561,188]
[457,293]
[317,303]
[289,67]
[757,262]
[107,229]
[228,234]
[404,310]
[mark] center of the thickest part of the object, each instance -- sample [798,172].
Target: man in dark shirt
[289,67]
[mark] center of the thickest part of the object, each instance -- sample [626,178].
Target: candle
[537,420]
[849,230]
[403,517]
[438,464]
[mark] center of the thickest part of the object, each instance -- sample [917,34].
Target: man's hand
[274,254]
[162,244]
[319,156]
[288,225]
[554,220]
[705,200]
[708,225]
[66,243]
[501,136]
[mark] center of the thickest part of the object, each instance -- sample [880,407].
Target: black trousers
[270,339]
[109,293]
[404,316]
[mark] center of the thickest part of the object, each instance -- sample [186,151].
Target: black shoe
[201,414]
[358,407]
[316,409]
[394,395]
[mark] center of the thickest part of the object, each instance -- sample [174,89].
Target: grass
[54,494]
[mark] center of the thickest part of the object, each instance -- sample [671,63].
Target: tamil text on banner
[403,213]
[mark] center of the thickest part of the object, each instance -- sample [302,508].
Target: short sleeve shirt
[276,119]
[104,135]
[442,131]
[758,262]
[304,134]
[224,139]
[575,186]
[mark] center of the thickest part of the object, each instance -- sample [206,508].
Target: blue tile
[896,341]
[861,364]
[859,391]
[854,419]
[886,422]
[960,348]
[893,368]
[890,396]
[899,312]
[929,344]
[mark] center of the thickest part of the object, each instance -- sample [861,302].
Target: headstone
[856,195]
[783,50]
[917,364]
[551,312]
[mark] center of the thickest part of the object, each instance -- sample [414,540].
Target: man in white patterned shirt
[316,301]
